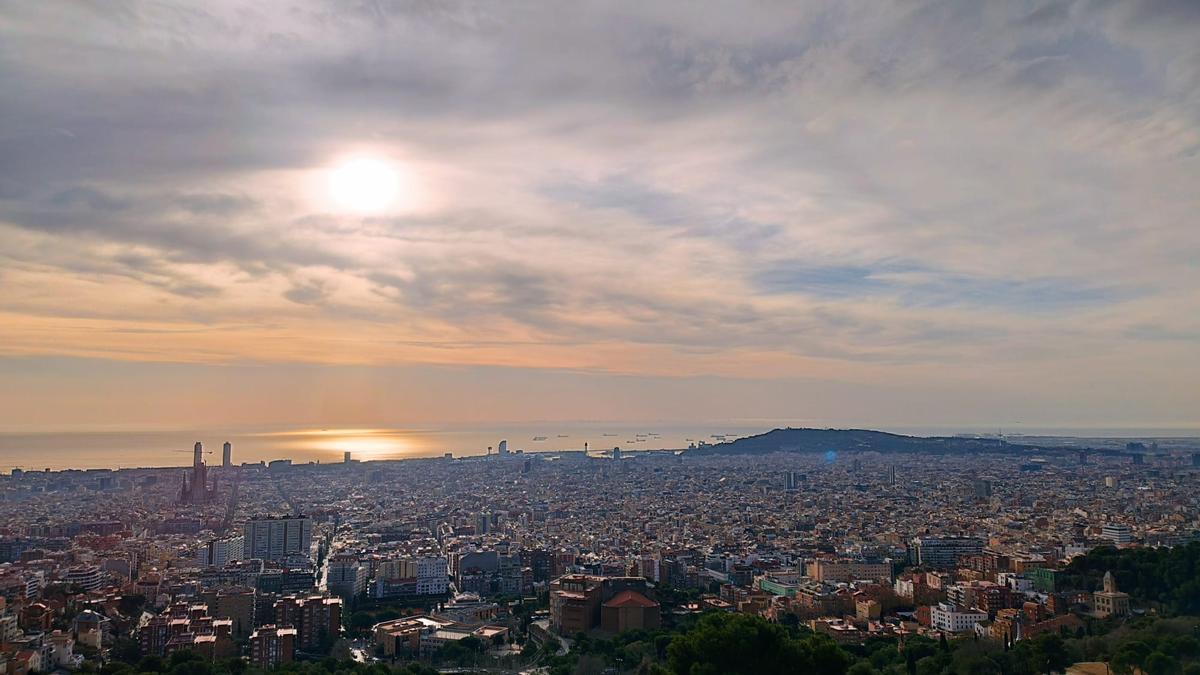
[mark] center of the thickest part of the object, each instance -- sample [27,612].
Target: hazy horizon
[128,448]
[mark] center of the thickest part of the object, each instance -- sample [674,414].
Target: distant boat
[563,436]
[608,434]
[539,438]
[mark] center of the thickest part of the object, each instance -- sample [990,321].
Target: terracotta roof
[630,599]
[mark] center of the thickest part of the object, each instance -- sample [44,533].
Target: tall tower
[1110,583]
[502,449]
[227,454]
[197,491]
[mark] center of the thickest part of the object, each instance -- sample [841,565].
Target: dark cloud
[308,293]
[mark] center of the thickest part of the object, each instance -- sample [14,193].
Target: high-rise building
[347,577]
[227,454]
[317,619]
[943,552]
[432,575]
[789,480]
[154,635]
[236,603]
[87,577]
[346,457]
[273,538]
[502,449]
[219,552]
[272,646]
[1117,533]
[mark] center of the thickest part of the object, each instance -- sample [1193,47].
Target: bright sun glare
[364,185]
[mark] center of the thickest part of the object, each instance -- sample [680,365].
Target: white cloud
[871,192]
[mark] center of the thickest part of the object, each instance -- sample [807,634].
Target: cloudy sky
[924,213]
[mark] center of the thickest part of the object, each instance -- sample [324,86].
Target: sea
[133,448]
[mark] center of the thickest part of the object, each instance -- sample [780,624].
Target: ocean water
[158,448]
[125,449]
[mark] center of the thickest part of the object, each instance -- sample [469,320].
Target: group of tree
[1164,579]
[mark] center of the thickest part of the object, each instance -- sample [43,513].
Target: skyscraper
[502,449]
[227,454]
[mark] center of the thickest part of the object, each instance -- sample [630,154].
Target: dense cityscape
[517,561]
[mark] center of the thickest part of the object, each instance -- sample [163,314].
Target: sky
[845,213]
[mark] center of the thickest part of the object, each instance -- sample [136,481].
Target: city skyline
[929,214]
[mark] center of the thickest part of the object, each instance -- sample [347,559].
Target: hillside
[862,440]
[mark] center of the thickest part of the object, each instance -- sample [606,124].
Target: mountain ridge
[813,440]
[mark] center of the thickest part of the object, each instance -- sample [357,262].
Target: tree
[127,650]
[1050,653]
[589,664]
[740,644]
[182,656]
[151,664]
[131,604]
[1159,663]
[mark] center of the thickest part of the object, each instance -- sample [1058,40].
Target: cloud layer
[941,194]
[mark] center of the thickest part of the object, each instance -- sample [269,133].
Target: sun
[364,185]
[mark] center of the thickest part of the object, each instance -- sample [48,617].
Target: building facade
[273,538]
